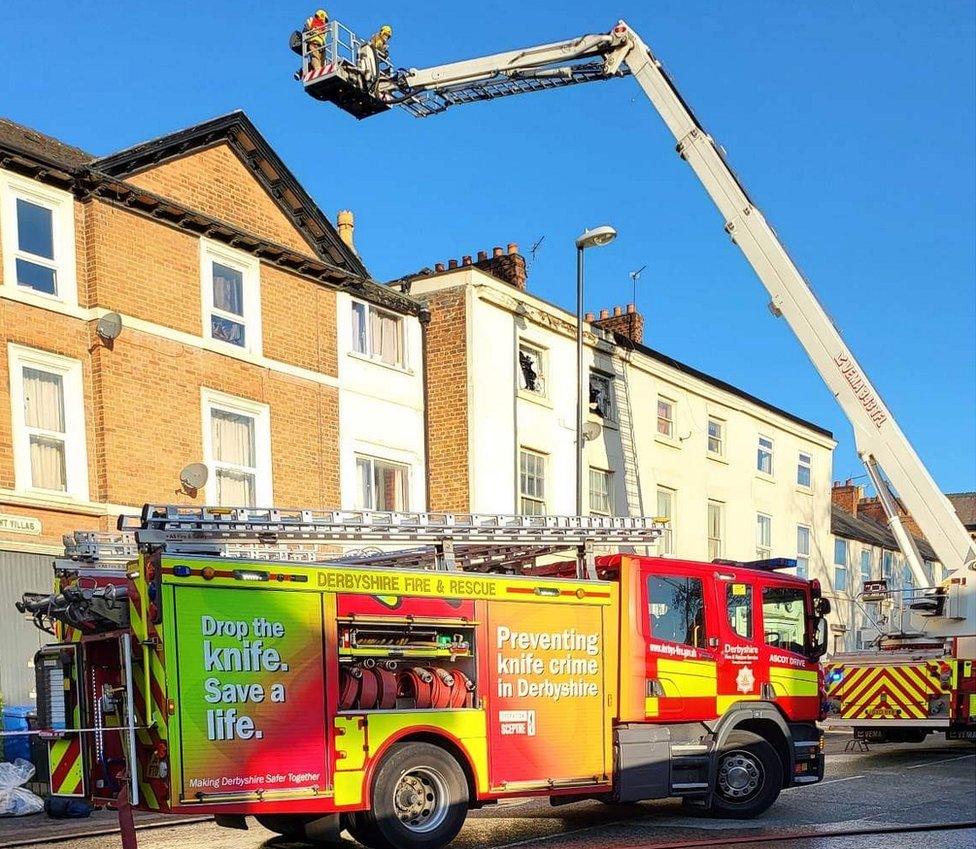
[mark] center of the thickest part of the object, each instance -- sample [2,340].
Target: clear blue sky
[852,124]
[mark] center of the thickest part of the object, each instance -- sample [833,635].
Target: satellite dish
[591,431]
[109,326]
[194,476]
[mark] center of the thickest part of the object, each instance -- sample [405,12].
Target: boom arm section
[879,441]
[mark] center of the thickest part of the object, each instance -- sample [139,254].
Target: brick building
[737,476]
[185,301]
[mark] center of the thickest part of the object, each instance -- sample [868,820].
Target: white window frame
[842,567]
[607,475]
[720,539]
[372,459]
[765,445]
[75,438]
[542,356]
[62,208]
[870,564]
[672,406]
[250,269]
[667,537]
[764,536]
[803,557]
[545,482]
[210,400]
[808,465]
[721,437]
[370,355]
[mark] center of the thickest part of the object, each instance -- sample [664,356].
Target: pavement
[912,796]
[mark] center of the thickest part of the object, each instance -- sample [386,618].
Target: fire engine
[920,676]
[211,660]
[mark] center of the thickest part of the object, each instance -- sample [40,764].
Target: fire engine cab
[214,661]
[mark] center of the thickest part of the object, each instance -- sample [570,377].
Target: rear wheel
[419,800]
[750,776]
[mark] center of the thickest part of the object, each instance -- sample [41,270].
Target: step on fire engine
[211,660]
[922,675]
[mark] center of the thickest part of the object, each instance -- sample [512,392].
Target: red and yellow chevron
[67,776]
[898,691]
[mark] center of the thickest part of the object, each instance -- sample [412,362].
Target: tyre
[749,778]
[419,800]
[287,825]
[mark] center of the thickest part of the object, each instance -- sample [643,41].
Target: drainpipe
[423,316]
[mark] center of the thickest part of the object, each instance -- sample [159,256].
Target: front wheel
[750,776]
[419,800]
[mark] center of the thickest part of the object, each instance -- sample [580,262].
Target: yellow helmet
[321,13]
[386,30]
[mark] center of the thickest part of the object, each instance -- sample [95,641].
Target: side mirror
[819,648]
[821,606]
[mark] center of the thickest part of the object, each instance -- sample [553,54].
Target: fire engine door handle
[654,688]
[767,691]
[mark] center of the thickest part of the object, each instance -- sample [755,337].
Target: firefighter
[371,54]
[314,35]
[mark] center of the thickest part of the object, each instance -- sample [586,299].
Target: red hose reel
[369,686]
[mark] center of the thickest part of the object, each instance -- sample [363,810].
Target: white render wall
[381,408]
[502,419]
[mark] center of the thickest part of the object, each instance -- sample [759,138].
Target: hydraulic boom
[880,443]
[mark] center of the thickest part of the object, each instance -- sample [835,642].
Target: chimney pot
[452,263]
[589,316]
[617,311]
[466,260]
[604,313]
[482,256]
[346,224]
[512,248]
[438,266]
[497,251]
[631,308]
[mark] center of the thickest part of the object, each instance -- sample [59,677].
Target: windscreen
[785,618]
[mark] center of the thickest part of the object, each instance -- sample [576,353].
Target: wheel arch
[436,737]
[764,720]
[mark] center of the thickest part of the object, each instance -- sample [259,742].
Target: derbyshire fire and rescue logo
[745,680]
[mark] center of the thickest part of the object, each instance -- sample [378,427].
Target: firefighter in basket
[373,54]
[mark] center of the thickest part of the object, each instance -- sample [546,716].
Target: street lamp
[595,238]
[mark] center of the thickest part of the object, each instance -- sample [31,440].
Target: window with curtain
[804,469]
[665,509]
[532,483]
[235,458]
[665,417]
[865,566]
[600,492]
[764,455]
[382,485]
[802,551]
[45,423]
[227,316]
[840,564]
[716,528]
[764,536]
[377,334]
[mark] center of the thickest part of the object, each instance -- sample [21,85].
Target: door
[680,633]
[742,668]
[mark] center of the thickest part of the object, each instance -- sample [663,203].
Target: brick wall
[846,496]
[143,393]
[215,182]
[447,401]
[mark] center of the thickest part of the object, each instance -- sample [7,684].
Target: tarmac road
[892,792]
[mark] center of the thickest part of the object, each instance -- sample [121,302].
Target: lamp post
[595,238]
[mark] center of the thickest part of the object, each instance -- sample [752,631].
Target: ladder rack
[476,541]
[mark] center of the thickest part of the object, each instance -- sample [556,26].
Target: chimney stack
[629,323]
[846,495]
[346,225]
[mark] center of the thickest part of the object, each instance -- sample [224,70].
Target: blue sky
[851,124]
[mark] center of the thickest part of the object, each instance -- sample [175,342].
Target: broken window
[532,376]
[601,396]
